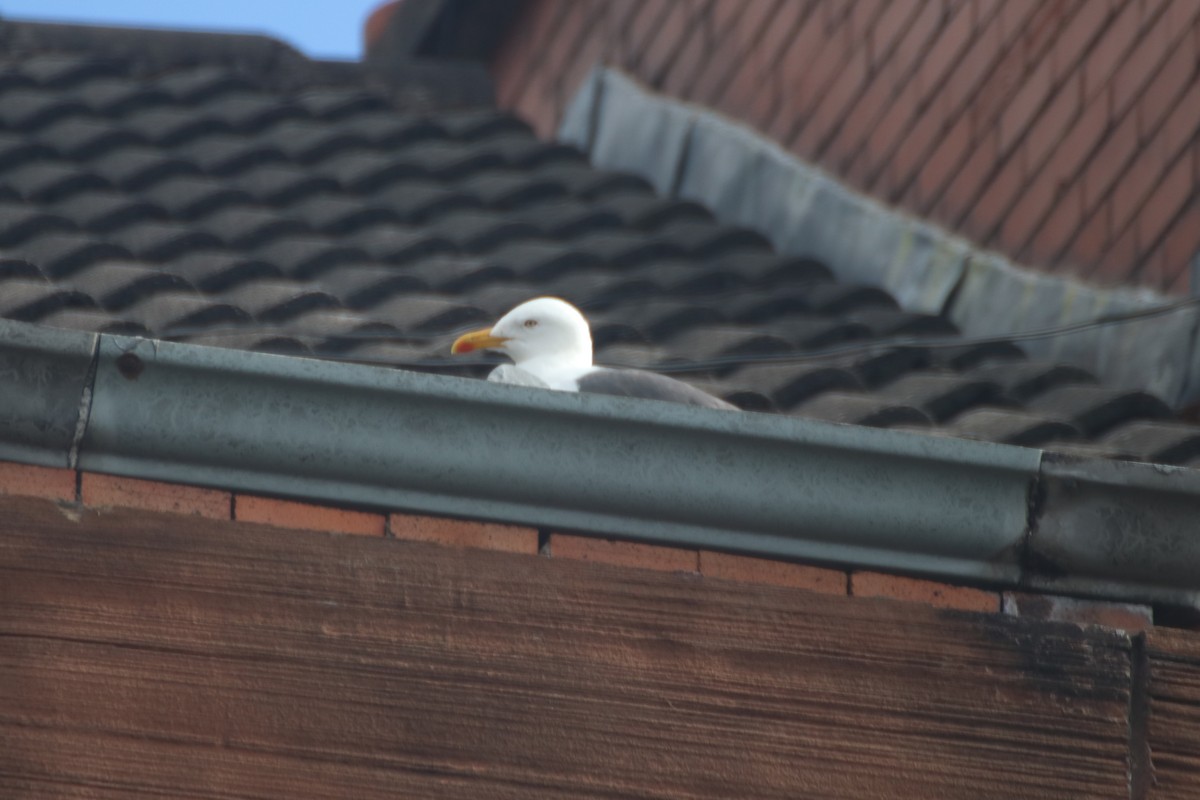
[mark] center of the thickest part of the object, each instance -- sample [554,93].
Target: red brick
[560,50]
[101,491]
[688,62]
[1168,200]
[1106,166]
[1058,228]
[1020,110]
[776,573]
[641,29]
[464,533]
[943,163]
[1183,124]
[910,155]
[1028,212]
[1128,617]
[1089,244]
[729,42]
[917,39]
[831,112]
[1119,261]
[1107,52]
[1015,15]
[896,587]
[1073,150]
[891,26]
[1075,39]
[969,179]
[947,47]
[1053,122]
[624,554]
[1136,68]
[51,483]
[1162,93]
[962,85]
[991,207]
[1181,244]
[668,38]
[862,117]
[1135,185]
[306,516]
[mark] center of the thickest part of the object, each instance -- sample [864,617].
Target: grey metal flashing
[748,180]
[44,385]
[742,482]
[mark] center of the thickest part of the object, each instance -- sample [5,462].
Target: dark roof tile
[60,254]
[540,260]
[83,139]
[93,322]
[229,154]
[477,231]
[188,198]
[582,180]
[60,70]
[449,160]
[1160,442]
[428,313]
[457,274]
[894,322]
[507,188]
[117,97]
[1097,409]
[708,240]
[273,301]
[20,222]
[303,257]
[282,184]
[649,211]
[336,104]
[29,300]
[863,409]
[393,243]
[49,181]
[177,314]
[336,214]
[216,271]
[168,126]
[560,218]
[1012,426]
[421,199]
[118,284]
[17,150]
[104,211]
[306,142]
[243,227]
[162,241]
[366,171]
[943,395]
[1024,381]
[390,130]
[476,124]
[32,109]
[138,168]
[366,285]
[199,83]
[12,267]
[248,112]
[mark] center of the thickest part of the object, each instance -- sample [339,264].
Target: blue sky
[320,28]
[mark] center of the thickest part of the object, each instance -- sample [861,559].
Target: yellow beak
[476,340]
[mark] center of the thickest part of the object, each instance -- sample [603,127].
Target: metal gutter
[742,482]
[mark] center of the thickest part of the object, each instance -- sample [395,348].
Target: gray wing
[649,385]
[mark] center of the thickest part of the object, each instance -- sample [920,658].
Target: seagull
[550,343]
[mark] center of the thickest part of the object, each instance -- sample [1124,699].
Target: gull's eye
[530,323]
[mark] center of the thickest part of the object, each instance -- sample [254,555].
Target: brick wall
[1062,132]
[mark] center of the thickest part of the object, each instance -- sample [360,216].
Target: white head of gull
[549,340]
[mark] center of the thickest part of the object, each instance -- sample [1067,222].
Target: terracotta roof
[205,200]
